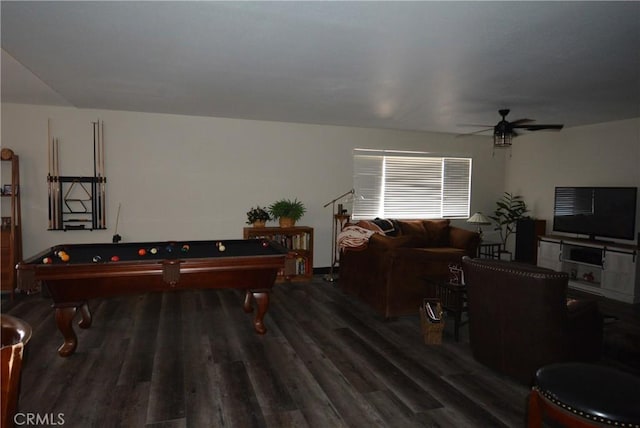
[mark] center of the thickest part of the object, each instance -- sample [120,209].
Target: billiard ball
[115,258]
[265,244]
[221,247]
[185,248]
[169,249]
[96,259]
[142,252]
[154,250]
[47,260]
[65,257]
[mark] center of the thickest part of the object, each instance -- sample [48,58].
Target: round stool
[585,395]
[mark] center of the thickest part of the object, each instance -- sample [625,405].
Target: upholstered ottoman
[585,395]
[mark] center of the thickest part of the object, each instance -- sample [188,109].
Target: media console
[608,269]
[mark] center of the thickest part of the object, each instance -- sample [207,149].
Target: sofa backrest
[428,233]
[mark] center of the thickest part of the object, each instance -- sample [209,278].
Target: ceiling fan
[504,131]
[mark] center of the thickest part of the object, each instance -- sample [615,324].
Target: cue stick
[103,183]
[94,188]
[99,182]
[54,183]
[60,218]
[98,177]
[49,169]
[56,171]
[117,238]
[58,198]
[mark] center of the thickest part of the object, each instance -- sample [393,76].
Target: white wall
[187,178]
[605,154]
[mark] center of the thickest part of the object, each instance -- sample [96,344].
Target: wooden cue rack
[77,202]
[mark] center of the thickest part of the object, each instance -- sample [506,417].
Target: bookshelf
[11,240]
[299,239]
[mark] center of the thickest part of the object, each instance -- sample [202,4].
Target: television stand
[607,269]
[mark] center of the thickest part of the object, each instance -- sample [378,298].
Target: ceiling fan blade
[541,127]
[484,125]
[521,121]
[473,133]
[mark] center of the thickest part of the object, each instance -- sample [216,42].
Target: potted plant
[510,209]
[287,211]
[258,216]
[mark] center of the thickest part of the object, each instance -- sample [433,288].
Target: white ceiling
[402,65]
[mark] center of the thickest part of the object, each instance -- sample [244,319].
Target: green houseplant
[258,216]
[510,209]
[287,211]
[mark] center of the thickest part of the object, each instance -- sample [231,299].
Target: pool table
[75,274]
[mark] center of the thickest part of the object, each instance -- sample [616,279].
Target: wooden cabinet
[549,254]
[299,239]
[11,239]
[607,269]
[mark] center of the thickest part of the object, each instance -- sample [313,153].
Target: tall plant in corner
[510,208]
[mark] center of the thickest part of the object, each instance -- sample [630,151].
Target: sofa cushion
[390,242]
[438,232]
[412,227]
[441,253]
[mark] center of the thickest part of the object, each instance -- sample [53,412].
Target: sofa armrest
[463,239]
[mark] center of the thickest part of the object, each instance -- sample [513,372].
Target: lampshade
[479,219]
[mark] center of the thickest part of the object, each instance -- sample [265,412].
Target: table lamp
[479,219]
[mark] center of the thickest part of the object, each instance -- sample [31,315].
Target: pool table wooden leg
[64,319]
[262,300]
[247,307]
[85,322]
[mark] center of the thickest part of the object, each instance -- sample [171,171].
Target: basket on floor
[432,323]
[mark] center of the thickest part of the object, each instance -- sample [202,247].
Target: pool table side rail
[122,273]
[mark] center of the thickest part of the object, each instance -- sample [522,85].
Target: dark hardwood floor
[192,359]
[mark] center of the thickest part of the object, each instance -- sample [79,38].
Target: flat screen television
[607,212]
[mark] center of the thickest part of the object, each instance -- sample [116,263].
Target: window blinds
[410,185]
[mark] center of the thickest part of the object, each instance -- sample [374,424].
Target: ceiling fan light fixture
[502,138]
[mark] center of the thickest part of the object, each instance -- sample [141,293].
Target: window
[408,185]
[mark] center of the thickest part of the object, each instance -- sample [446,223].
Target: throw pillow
[387,226]
[438,231]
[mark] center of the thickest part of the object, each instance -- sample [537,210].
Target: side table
[453,298]
[490,250]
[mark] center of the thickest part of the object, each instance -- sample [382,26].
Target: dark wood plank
[166,395]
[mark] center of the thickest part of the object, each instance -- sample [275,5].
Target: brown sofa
[394,273]
[520,318]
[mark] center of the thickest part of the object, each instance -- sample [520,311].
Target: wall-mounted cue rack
[77,203]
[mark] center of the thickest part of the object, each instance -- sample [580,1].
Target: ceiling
[430,66]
